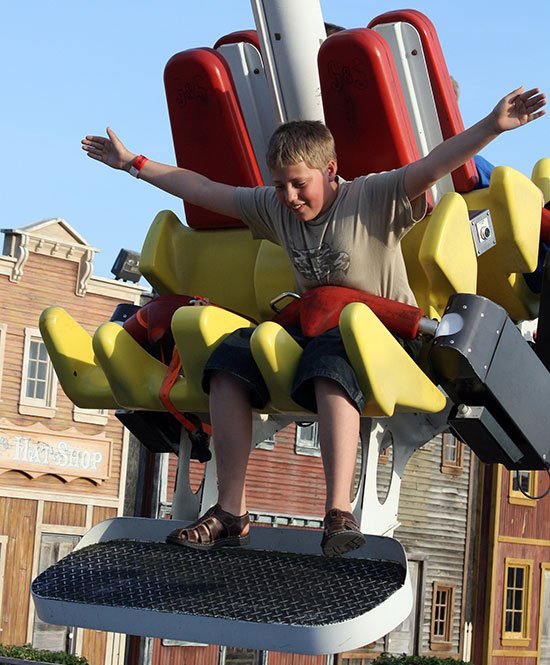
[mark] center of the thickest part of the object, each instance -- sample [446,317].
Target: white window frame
[61,532]
[3,335]
[92,416]
[30,406]
[307,440]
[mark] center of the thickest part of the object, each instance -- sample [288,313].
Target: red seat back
[246,36]
[363,103]
[465,178]
[208,129]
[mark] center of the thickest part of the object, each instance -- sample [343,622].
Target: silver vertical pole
[290,34]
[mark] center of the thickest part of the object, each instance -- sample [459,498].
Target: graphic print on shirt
[322,264]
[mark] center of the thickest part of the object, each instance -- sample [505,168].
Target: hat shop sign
[37,450]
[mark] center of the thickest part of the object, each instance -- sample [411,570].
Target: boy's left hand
[518,108]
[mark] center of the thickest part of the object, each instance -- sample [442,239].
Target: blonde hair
[308,141]
[456,87]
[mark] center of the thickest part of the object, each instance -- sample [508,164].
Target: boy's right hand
[110,150]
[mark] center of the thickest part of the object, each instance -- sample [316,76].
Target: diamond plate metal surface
[240,584]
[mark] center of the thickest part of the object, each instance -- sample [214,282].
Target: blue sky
[70,68]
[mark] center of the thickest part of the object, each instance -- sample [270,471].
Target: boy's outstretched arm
[516,109]
[187,185]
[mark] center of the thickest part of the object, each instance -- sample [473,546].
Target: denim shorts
[324,356]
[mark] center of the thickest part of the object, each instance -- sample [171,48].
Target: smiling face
[306,191]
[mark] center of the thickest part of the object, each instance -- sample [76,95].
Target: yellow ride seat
[440,256]
[135,377]
[70,349]
[541,177]
[217,264]
[197,332]
[389,378]
[515,205]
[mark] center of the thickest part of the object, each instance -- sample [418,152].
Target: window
[53,547]
[93,416]
[38,380]
[544,627]
[515,616]
[522,480]
[402,640]
[3,332]
[307,440]
[441,634]
[452,455]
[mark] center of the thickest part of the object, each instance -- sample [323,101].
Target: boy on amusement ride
[335,233]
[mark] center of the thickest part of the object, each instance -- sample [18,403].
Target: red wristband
[137,165]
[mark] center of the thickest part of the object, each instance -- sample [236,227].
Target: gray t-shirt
[356,243]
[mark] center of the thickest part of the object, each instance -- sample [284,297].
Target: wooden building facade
[512,569]
[62,469]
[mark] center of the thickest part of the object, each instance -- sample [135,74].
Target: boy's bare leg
[231,417]
[339,423]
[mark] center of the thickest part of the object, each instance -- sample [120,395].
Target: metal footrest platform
[263,598]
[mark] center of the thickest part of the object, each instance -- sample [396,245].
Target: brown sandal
[342,533]
[216,528]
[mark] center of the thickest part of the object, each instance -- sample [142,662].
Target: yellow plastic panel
[447,254]
[197,332]
[389,378]
[216,264]
[70,349]
[277,355]
[272,276]
[514,202]
[523,304]
[541,177]
[134,375]
[410,246]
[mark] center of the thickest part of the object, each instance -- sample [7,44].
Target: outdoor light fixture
[126,266]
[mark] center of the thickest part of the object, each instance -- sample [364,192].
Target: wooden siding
[282,481]
[184,655]
[17,521]
[101,513]
[525,521]
[277,481]
[93,646]
[295,659]
[433,514]
[66,514]
[210,656]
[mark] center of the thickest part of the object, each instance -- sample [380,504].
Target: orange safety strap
[169,379]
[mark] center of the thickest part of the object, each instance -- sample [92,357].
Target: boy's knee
[222,380]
